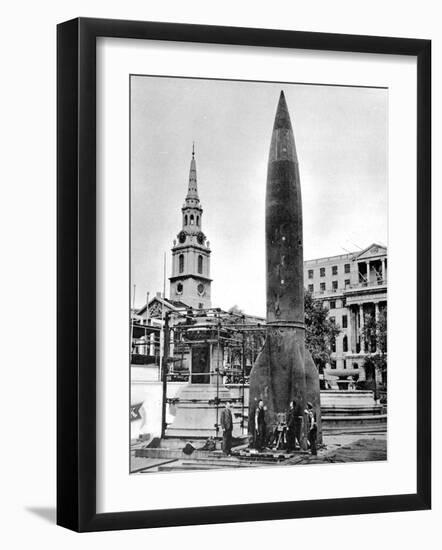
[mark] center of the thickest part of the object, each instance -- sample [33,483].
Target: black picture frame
[76,273]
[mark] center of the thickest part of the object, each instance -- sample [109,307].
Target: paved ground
[347,449]
[336,448]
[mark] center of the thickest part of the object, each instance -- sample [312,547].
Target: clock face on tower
[200,238]
[200,288]
[181,236]
[179,288]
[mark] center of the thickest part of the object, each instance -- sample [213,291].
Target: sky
[341,139]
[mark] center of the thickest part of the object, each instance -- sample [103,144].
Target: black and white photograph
[258,274]
[220,274]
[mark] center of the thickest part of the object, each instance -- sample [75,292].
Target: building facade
[190,281]
[353,287]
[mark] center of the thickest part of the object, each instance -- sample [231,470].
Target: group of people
[292,429]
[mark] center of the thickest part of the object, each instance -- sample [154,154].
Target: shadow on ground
[46,513]
[362,450]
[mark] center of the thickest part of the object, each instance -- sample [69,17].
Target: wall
[150,393]
[27,220]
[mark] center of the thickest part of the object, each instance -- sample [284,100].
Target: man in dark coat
[227,427]
[260,426]
[292,423]
[312,427]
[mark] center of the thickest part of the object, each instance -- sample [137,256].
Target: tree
[320,331]
[235,310]
[374,333]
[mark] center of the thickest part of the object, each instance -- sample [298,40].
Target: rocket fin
[278,374]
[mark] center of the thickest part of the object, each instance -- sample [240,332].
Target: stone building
[189,291]
[352,286]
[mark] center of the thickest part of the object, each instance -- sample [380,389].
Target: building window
[335,270]
[347,283]
[332,304]
[345,344]
[322,272]
[181,263]
[200,264]
[311,288]
[333,364]
[355,366]
[347,268]
[333,345]
[344,321]
[310,273]
[335,285]
[200,306]
[322,286]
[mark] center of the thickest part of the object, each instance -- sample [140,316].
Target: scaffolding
[236,338]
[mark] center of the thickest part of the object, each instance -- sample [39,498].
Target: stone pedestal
[196,411]
[350,411]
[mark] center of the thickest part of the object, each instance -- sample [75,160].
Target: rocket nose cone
[282,146]
[282,118]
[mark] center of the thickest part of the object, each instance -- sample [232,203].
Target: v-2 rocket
[284,370]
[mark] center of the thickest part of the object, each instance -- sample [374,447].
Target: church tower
[190,281]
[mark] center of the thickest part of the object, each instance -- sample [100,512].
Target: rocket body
[279,375]
[284,239]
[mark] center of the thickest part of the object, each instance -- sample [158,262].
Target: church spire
[192,192]
[190,281]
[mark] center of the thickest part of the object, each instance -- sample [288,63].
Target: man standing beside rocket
[284,370]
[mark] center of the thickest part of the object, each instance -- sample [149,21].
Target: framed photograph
[243,274]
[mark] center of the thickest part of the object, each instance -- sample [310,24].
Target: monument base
[197,413]
[351,410]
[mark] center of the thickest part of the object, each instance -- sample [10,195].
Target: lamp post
[164,371]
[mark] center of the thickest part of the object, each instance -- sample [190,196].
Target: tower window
[181,263]
[185,219]
[192,219]
[200,264]
[197,220]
